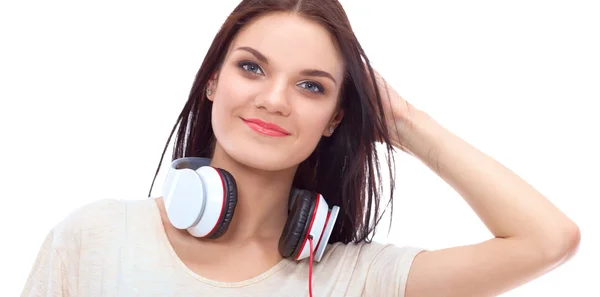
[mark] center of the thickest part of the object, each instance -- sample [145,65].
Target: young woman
[287,102]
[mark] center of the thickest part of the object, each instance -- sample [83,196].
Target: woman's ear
[211,86]
[335,121]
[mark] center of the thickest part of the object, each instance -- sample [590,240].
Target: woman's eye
[312,87]
[251,67]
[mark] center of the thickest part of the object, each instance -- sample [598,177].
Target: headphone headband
[190,162]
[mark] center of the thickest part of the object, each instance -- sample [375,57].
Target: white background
[90,90]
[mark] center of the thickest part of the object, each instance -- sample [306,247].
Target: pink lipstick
[266,128]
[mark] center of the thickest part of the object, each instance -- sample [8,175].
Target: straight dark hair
[344,168]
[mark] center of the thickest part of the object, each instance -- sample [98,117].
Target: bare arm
[532,236]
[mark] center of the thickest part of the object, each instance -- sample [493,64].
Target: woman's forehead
[289,40]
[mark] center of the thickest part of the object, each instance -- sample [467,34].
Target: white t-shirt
[120,248]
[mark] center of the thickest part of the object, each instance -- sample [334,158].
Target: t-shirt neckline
[160,228]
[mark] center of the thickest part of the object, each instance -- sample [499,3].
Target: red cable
[310,264]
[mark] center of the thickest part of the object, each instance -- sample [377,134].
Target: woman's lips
[265,128]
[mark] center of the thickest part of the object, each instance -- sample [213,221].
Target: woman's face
[276,93]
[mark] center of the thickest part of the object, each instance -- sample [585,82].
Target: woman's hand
[397,111]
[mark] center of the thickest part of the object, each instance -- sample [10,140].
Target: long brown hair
[344,168]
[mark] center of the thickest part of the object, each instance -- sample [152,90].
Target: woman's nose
[274,98]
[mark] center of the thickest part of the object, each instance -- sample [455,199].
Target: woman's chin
[264,160]
[260,156]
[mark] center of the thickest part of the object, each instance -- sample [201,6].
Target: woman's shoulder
[369,268]
[98,220]
[92,216]
[90,234]
[365,253]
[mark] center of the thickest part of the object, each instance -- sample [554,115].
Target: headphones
[202,199]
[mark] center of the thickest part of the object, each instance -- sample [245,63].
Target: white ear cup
[333,214]
[214,197]
[184,198]
[194,199]
[320,229]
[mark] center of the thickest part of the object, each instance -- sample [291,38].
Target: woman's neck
[262,204]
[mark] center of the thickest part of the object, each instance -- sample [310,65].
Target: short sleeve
[389,271]
[48,276]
